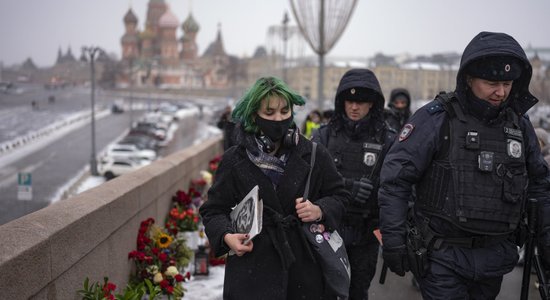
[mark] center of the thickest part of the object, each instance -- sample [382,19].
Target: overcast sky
[37,28]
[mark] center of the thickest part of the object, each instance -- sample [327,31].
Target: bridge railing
[48,253]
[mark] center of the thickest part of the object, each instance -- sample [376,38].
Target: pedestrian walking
[399,108]
[271,153]
[474,159]
[358,139]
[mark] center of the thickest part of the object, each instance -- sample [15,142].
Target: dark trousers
[468,273]
[442,282]
[362,259]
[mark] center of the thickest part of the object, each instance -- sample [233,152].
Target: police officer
[474,160]
[399,108]
[358,139]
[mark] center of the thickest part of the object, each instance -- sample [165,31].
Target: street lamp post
[131,81]
[93,52]
[285,41]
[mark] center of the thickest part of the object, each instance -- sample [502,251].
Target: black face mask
[482,109]
[275,130]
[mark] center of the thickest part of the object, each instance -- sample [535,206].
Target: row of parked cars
[141,145]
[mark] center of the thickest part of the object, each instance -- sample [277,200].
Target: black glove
[361,190]
[396,259]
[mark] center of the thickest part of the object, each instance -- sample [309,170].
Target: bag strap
[313,152]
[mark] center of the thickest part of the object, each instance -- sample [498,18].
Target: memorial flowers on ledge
[158,257]
[184,214]
[105,291]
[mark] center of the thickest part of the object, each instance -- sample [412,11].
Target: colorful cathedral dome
[130,17]
[168,19]
[190,25]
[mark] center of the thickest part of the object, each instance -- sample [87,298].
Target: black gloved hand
[396,259]
[361,190]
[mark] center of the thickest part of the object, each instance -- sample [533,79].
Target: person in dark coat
[278,262]
[474,159]
[399,109]
[358,139]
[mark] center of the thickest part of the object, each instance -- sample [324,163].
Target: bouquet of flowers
[184,214]
[158,258]
[97,291]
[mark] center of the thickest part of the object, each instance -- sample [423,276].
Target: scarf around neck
[271,165]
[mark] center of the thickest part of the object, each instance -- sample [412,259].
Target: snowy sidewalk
[206,287]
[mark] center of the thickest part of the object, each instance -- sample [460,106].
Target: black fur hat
[357,94]
[495,68]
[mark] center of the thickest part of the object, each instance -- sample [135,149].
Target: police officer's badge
[406,131]
[514,148]
[369,159]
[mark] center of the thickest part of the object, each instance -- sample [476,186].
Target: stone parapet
[48,254]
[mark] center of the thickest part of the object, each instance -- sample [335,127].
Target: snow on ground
[205,132]
[21,146]
[206,287]
[90,182]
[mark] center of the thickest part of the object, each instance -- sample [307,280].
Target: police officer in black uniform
[474,160]
[399,108]
[358,139]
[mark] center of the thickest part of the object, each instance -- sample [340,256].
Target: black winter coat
[261,274]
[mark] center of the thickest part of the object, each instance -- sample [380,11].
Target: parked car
[140,141]
[149,129]
[117,109]
[111,167]
[130,150]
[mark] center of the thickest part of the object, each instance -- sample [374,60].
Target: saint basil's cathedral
[156,56]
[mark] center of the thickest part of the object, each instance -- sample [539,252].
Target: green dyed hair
[265,87]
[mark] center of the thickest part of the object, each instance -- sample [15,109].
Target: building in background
[163,53]
[158,57]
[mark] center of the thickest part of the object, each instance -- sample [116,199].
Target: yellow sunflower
[164,240]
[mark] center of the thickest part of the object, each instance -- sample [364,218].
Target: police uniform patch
[514,148]
[406,132]
[369,159]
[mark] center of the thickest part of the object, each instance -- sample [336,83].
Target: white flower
[171,271]
[153,269]
[207,176]
[158,277]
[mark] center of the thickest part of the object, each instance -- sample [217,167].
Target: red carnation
[170,289]
[163,257]
[109,287]
[140,256]
[194,193]
[164,284]
[179,278]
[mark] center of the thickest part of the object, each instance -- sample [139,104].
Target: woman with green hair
[271,153]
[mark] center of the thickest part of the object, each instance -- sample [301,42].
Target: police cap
[495,68]
[357,94]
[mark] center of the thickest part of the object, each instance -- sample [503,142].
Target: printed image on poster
[246,217]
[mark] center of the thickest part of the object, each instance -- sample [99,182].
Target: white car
[129,150]
[111,167]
